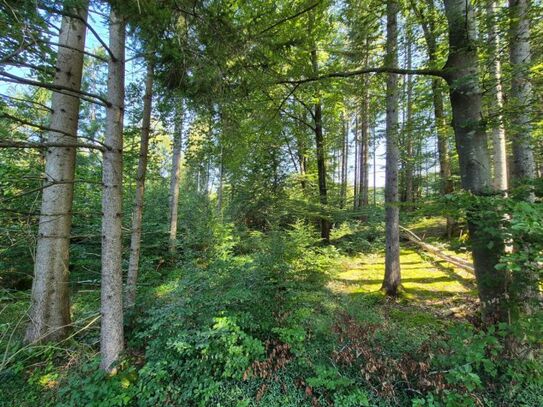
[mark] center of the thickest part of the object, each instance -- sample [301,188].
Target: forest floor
[275,328]
[429,285]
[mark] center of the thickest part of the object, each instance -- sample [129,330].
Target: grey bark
[496,101]
[471,144]
[175,177]
[392,279]
[137,215]
[50,303]
[521,89]
[111,335]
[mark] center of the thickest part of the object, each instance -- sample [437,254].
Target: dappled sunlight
[423,280]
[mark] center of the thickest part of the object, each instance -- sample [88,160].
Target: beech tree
[461,74]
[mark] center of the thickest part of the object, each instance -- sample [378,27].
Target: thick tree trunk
[392,280]
[471,143]
[521,89]
[50,305]
[175,178]
[135,241]
[496,101]
[112,336]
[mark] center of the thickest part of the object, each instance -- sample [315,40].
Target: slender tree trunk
[135,240]
[356,200]
[496,101]
[364,144]
[471,144]
[521,89]
[344,161]
[374,167]
[221,176]
[446,185]
[175,177]
[321,156]
[50,304]
[112,336]
[409,196]
[392,280]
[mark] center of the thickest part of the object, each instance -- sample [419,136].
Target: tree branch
[27,144]
[57,88]
[347,74]
[71,15]
[292,17]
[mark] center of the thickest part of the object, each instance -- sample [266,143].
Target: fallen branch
[457,261]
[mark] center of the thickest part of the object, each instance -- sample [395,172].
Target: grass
[430,291]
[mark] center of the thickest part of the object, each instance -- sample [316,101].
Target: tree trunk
[392,280]
[221,180]
[321,157]
[344,161]
[112,336]
[471,143]
[496,101]
[175,177]
[135,241]
[521,89]
[409,196]
[50,305]
[364,144]
[357,142]
[428,25]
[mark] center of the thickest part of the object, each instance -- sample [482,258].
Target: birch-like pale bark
[112,335]
[392,279]
[50,304]
[175,177]
[137,215]
[521,89]
[496,101]
[471,143]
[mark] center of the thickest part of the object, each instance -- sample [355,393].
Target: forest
[271,203]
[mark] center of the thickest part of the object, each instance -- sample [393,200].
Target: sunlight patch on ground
[422,279]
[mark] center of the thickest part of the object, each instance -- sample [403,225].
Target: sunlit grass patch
[422,280]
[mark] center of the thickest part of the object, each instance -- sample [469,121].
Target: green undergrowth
[284,321]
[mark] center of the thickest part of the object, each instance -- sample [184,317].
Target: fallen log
[456,261]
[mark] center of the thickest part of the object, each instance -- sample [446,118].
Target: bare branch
[90,97]
[92,30]
[27,144]
[347,74]
[41,105]
[90,54]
